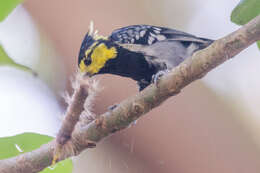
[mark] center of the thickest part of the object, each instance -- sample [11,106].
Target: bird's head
[95,52]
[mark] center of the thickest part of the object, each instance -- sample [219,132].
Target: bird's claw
[156,77]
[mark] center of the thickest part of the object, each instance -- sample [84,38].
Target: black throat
[130,64]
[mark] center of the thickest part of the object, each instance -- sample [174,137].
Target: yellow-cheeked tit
[138,52]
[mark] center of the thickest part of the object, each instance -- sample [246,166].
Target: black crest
[86,43]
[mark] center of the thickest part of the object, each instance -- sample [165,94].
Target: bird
[141,52]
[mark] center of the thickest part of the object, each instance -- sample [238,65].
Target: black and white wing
[159,45]
[148,35]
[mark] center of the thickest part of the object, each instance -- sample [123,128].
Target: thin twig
[75,108]
[79,104]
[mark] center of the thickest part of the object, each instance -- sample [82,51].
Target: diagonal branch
[131,109]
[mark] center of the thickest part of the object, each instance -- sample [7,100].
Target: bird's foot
[156,77]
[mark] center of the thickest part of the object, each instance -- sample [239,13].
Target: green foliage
[6,60]
[258,44]
[245,11]
[61,167]
[15,145]
[7,6]
[26,142]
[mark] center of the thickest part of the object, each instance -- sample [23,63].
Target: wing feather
[148,35]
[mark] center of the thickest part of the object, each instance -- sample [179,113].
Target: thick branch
[131,109]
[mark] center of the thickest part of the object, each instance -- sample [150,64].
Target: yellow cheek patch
[101,54]
[82,66]
[90,49]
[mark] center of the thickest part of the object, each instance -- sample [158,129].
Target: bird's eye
[87,61]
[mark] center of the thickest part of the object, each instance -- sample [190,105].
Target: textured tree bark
[134,107]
